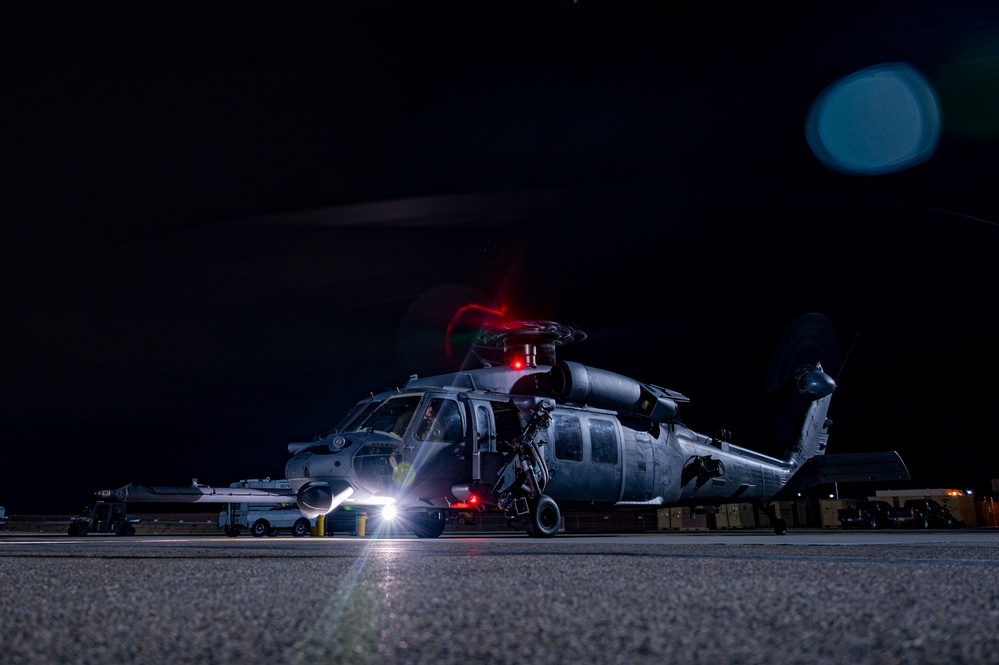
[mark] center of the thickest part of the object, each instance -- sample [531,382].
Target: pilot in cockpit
[440,422]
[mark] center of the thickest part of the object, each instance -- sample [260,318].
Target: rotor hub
[533,342]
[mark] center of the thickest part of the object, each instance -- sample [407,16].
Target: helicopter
[531,436]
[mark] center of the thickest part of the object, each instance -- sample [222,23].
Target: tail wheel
[260,528]
[545,518]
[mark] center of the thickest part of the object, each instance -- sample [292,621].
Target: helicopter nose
[318,498]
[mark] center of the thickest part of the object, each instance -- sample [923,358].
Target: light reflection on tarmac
[813,596]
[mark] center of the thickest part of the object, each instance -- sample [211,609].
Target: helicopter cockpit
[392,416]
[388,437]
[441,422]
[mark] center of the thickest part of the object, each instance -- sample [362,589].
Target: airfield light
[389,513]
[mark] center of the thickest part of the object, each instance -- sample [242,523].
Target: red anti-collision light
[473,501]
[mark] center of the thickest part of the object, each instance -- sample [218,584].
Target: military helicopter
[531,436]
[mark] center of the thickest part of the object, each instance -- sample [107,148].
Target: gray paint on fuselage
[639,465]
[748,475]
[648,467]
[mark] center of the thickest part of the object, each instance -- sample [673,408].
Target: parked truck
[264,519]
[866,515]
[922,513]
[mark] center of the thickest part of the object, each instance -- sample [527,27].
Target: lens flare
[879,120]
[403,474]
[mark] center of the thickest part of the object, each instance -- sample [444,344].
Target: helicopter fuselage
[451,442]
[530,437]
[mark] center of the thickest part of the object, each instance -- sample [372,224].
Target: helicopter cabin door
[639,466]
[496,426]
[586,458]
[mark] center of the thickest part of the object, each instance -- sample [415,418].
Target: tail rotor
[809,341]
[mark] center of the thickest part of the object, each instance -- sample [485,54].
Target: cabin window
[482,429]
[603,442]
[568,439]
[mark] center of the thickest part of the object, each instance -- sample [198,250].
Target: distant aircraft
[531,437]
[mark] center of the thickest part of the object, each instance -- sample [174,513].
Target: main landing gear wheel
[545,518]
[780,528]
[428,525]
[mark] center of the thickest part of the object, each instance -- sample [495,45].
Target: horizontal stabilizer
[847,468]
[861,467]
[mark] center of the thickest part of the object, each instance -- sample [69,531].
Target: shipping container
[829,512]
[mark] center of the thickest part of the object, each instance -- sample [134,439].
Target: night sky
[222,224]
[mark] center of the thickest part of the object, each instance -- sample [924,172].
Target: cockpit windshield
[356,414]
[392,416]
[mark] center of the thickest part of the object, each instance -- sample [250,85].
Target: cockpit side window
[393,415]
[441,422]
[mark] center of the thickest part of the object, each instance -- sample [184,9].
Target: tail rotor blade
[808,340]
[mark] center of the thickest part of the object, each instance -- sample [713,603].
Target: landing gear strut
[524,501]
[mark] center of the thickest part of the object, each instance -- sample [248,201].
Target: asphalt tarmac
[810,597]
